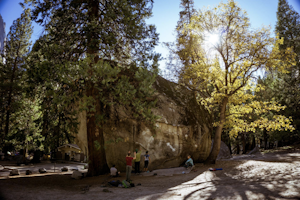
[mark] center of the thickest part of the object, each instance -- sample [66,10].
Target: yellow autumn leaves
[228,69]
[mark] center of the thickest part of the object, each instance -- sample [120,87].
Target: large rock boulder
[255,151]
[184,128]
[77,175]
[224,152]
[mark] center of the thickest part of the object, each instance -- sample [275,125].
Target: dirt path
[272,176]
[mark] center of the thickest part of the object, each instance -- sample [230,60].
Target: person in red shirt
[129,165]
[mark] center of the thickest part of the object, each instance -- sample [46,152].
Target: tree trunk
[58,132]
[10,92]
[229,143]
[253,145]
[9,102]
[265,138]
[237,145]
[2,135]
[217,140]
[97,158]
[244,143]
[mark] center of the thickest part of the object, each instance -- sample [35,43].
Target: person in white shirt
[114,172]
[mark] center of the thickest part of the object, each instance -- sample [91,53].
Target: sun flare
[213,39]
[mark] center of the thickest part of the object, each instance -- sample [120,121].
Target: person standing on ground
[129,165]
[146,161]
[137,161]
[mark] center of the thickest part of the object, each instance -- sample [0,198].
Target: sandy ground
[270,176]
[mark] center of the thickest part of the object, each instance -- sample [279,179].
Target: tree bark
[9,100]
[237,145]
[97,157]
[217,140]
[265,138]
[2,135]
[229,143]
[10,92]
[253,145]
[244,143]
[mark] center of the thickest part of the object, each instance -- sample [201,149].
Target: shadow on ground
[272,176]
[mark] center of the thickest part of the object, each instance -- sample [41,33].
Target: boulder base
[255,151]
[224,152]
[77,175]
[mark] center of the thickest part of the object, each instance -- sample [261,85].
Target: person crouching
[114,172]
[189,162]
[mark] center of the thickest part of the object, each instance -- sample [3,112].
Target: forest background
[35,111]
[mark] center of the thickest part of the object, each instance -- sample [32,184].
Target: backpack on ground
[125,184]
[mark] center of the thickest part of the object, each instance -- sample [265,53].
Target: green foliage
[286,86]
[180,51]
[96,54]
[18,114]
[116,78]
[25,131]
[224,67]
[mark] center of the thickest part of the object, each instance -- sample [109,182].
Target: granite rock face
[255,151]
[184,128]
[224,152]
[2,33]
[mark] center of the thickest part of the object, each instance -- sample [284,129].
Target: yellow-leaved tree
[223,72]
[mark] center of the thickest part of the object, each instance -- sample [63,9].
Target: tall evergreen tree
[288,27]
[12,64]
[106,47]
[184,50]
[46,84]
[185,40]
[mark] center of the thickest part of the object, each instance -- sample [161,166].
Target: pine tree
[288,27]
[14,56]
[183,51]
[106,48]
[184,38]
[288,91]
